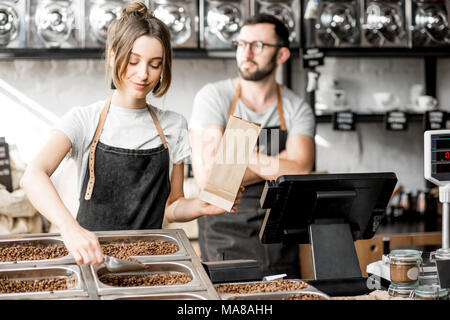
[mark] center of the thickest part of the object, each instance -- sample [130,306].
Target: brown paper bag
[230,163]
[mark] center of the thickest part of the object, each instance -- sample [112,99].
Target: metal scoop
[119,265]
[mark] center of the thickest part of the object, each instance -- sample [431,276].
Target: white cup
[426,102]
[385,100]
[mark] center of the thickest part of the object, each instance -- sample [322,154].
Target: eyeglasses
[255,46]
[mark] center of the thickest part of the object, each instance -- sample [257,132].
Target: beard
[259,74]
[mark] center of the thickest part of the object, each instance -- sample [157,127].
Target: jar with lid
[430,292]
[401,291]
[440,254]
[404,267]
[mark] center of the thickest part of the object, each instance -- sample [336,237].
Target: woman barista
[129,154]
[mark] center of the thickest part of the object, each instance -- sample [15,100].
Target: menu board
[5,166]
[396,121]
[313,58]
[344,121]
[435,120]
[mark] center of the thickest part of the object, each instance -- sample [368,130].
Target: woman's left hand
[210,209]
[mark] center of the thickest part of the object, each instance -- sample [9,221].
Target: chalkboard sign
[5,167]
[312,58]
[435,120]
[396,121]
[344,121]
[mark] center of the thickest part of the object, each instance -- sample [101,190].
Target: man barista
[286,144]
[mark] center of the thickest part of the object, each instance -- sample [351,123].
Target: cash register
[329,211]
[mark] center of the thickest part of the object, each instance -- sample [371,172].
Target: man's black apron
[236,235]
[131,186]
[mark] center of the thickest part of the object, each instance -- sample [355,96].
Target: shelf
[369,118]
[198,53]
[43,53]
[98,53]
[386,52]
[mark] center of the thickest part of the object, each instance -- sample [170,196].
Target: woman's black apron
[236,235]
[131,186]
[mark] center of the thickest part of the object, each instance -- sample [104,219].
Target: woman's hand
[210,209]
[82,244]
[283,155]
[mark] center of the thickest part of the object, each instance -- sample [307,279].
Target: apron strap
[158,126]
[237,94]
[280,109]
[98,132]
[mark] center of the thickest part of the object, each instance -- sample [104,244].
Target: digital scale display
[441,143]
[440,154]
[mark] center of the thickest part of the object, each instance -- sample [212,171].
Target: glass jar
[404,267]
[440,254]
[430,292]
[395,290]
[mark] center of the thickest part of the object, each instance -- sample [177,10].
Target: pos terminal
[329,211]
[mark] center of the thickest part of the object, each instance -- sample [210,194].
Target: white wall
[35,93]
[371,148]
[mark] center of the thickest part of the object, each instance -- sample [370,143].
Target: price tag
[5,167]
[435,120]
[396,121]
[312,58]
[344,121]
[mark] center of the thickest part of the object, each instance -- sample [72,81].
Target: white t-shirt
[212,104]
[123,128]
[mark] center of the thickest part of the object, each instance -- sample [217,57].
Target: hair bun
[135,8]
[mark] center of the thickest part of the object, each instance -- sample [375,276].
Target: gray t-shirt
[212,104]
[123,128]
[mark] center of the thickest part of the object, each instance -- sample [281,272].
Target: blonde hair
[136,21]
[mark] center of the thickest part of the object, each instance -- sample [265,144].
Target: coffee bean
[21,286]
[269,286]
[32,252]
[119,250]
[124,250]
[154,279]
[305,296]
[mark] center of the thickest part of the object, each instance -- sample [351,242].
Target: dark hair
[136,21]
[281,31]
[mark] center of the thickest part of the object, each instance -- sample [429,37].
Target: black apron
[131,186]
[236,235]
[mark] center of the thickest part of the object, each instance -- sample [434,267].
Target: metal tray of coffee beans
[33,250]
[199,295]
[160,277]
[49,282]
[45,249]
[146,247]
[281,289]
